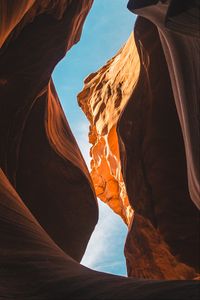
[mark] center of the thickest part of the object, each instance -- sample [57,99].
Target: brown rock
[149,256]
[38,151]
[155,172]
[41,162]
[152,154]
[178,26]
[14,17]
[34,267]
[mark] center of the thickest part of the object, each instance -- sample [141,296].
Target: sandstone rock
[14,17]
[149,256]
[178,27]
[155,171]
[165,175]
[34,267]
[48,209]
[152,154]
[38,151]
[103,98]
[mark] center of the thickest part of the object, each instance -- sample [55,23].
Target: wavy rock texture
[155,171]
[166,223]
[160,149]
[34,267]
[38,151]
[103,98]
[178,27]
[48,209]
[14,17]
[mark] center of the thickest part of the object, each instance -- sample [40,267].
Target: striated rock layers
[155,171]
[167,154]
[34,267]
[48,207]
[178,26]
[38,152]
[133,95]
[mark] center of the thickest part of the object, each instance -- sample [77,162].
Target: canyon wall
[169,152]
[34,267]
[155,171]
[130,103]
[38,152]
[48,207]
[103,98]
[178,27]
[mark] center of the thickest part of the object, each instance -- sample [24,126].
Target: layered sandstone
[103,98]
[178,27]
[34,267]
[168,150]
[48,208]
[38,152]
[130,103]
[16,16]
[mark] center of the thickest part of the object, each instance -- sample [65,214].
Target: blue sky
[106,29]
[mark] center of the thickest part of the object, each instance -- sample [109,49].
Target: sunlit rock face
[103,98]
[48,209]
[38,152]
[130,104]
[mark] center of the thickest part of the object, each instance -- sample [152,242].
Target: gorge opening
[106,29]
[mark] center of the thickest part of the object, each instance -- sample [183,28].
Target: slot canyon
[143,110]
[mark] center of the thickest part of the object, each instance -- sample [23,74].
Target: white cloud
[105,248]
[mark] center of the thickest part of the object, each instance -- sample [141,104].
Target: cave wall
[171,67]
[38,153]
[48,206]
[34,267]
[155,172]
[148,132]
[178,27]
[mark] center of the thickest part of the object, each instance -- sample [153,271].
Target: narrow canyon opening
[106,30]
[140,96]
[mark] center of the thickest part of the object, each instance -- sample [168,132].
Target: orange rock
[134,130]
[14,17]
[47,203]
[103,98]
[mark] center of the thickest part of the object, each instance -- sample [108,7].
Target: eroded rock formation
[170,78]
[178,27]
[48,208]
[34,267]
[151,150]
[39,154]
[103,98]
[155,153]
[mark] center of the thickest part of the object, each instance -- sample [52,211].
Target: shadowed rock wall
[48,209]
[168,42]
[155,170]
[38,152]
[34,267]
[152,152]
[178,26]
